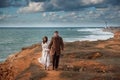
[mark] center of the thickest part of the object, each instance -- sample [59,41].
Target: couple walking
[54,49]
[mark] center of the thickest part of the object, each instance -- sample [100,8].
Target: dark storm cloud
[65,5]
[7,3]
[39,0]
[79,4]
[54,5]
[113,2]
[4,3]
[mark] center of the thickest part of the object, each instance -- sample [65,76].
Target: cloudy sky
[59,13]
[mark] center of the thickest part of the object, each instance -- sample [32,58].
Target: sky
[59,13]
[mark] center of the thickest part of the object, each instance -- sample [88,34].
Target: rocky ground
[85,60]
[112,29]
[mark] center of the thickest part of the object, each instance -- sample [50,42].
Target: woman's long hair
[46,39]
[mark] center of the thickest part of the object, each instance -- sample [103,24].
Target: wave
[101,32]
[100,37]
[7,41]
[95,31]
[2,59]
[89,38]
[94,34]
[89,29]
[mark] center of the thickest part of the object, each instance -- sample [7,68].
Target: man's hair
[56,32]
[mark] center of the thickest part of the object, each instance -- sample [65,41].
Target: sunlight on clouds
[87,2]
[32,7]
[65,12]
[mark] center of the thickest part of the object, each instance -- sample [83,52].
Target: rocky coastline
[81,60]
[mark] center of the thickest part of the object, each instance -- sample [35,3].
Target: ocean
[13,39]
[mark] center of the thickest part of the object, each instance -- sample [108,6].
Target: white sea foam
[2,59]
[89,29]
[100,37]
[95,34]
[89,38]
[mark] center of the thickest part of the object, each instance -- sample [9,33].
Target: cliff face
[16,63]
[99,58]
[7,71]
[115,31]
[117,35]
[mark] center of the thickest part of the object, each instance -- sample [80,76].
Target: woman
[45,59]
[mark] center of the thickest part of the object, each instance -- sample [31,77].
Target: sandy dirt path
[52,75]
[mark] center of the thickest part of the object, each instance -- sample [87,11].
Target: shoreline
[3,59]
[100,58]
[78,58]
[111,29]
[80,34]
[80,41]
[62,27]
[89,40]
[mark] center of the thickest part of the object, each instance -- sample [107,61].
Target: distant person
[45,59]
[55,46]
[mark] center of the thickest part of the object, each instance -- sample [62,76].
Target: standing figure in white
[45,59]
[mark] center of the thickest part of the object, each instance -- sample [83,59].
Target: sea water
[13,39]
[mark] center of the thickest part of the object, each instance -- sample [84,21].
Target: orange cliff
[117,35]
[115,30]
[16,63]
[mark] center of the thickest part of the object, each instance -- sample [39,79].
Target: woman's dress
[45,58]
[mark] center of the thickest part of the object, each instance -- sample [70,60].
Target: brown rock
[95,55]
[117,35]
[6,71]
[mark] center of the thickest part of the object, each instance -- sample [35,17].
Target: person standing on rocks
[55,46]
